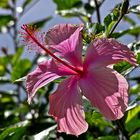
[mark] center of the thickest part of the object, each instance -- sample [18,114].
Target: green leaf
[4,4]
[90,9]
[132,113]
[129,20]
[123,67]
[20,69]
[4,80]
[132,121]
[135,9]
[107,138]
[4,20]
[67,4]
[72,8]
[42,22]
[110,20]
[138,58]
[17,56]
[135,90]
[134,31]
[3,65]
[45,133]
[96,119]
[14,132]
[74,12]
[98,28]
[135,136]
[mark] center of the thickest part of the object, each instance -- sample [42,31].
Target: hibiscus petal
[46,72]
[108,51]
[67,109]
[66,41]
[107,90]
[59,33]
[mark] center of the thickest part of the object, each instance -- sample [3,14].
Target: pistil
[27,30]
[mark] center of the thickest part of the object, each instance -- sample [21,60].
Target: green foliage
[21,68]
[17,56]
[110,20]
[64,4]
[4,4]
[135,137]
[13,132]
[135,9]
[132,121]
[123,67]
[4,20]
[134,31]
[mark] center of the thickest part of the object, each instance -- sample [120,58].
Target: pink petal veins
[107,90]
[66,41]
[67,109]
[59,33]
[108,51]
[46,72]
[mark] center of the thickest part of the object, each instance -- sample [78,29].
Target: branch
[97,11]
[121,127]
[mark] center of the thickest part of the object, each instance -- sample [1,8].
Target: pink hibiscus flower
[92,77]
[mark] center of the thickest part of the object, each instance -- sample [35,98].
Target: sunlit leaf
[3,65]
[67,4]
[74,12]
[17,55]
[96,119]
[21,79]
[14,132]
[123,67]
[135,31]
[135,136]
[20,69]
[138,58]
[110,20]
[45,133]
[4,4]
[4,20]
[6,100]
[136,89]
[135,9]
[132,121]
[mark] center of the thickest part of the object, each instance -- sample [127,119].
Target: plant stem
[114,27]
[122,129]
[97,11]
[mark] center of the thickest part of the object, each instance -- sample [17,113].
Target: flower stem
[97,11]
[122,128]
[114,27]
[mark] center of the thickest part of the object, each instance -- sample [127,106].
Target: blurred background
[22,121]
